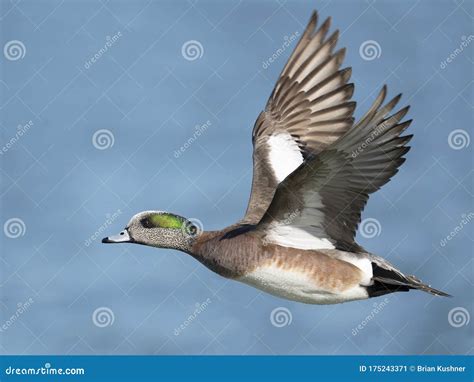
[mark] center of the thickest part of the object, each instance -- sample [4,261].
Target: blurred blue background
[63,178]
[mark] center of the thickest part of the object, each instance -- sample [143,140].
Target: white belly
[298,286]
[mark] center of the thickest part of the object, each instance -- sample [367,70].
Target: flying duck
[313,171]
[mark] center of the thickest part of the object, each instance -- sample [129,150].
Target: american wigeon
[313,172]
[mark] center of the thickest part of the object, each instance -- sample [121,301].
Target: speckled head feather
[163,230]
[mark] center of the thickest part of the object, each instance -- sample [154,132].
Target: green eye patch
[162,221]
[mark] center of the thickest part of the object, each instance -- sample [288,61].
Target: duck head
[158,229]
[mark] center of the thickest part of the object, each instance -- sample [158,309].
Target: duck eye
[192,229]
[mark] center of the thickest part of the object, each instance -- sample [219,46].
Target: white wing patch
[296,237]
[284,155]
[301,229]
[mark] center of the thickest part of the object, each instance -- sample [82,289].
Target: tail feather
[390,281]
[417,284]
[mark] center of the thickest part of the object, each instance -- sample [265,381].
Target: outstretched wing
[308,110]
[319,205]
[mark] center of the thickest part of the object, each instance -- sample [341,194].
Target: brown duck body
[312,276]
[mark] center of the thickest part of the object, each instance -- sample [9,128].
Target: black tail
[389,281]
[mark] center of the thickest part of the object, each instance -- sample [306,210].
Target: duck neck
[187,245]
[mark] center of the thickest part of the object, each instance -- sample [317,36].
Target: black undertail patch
[385,282]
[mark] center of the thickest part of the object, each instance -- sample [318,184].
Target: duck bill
[122,237]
